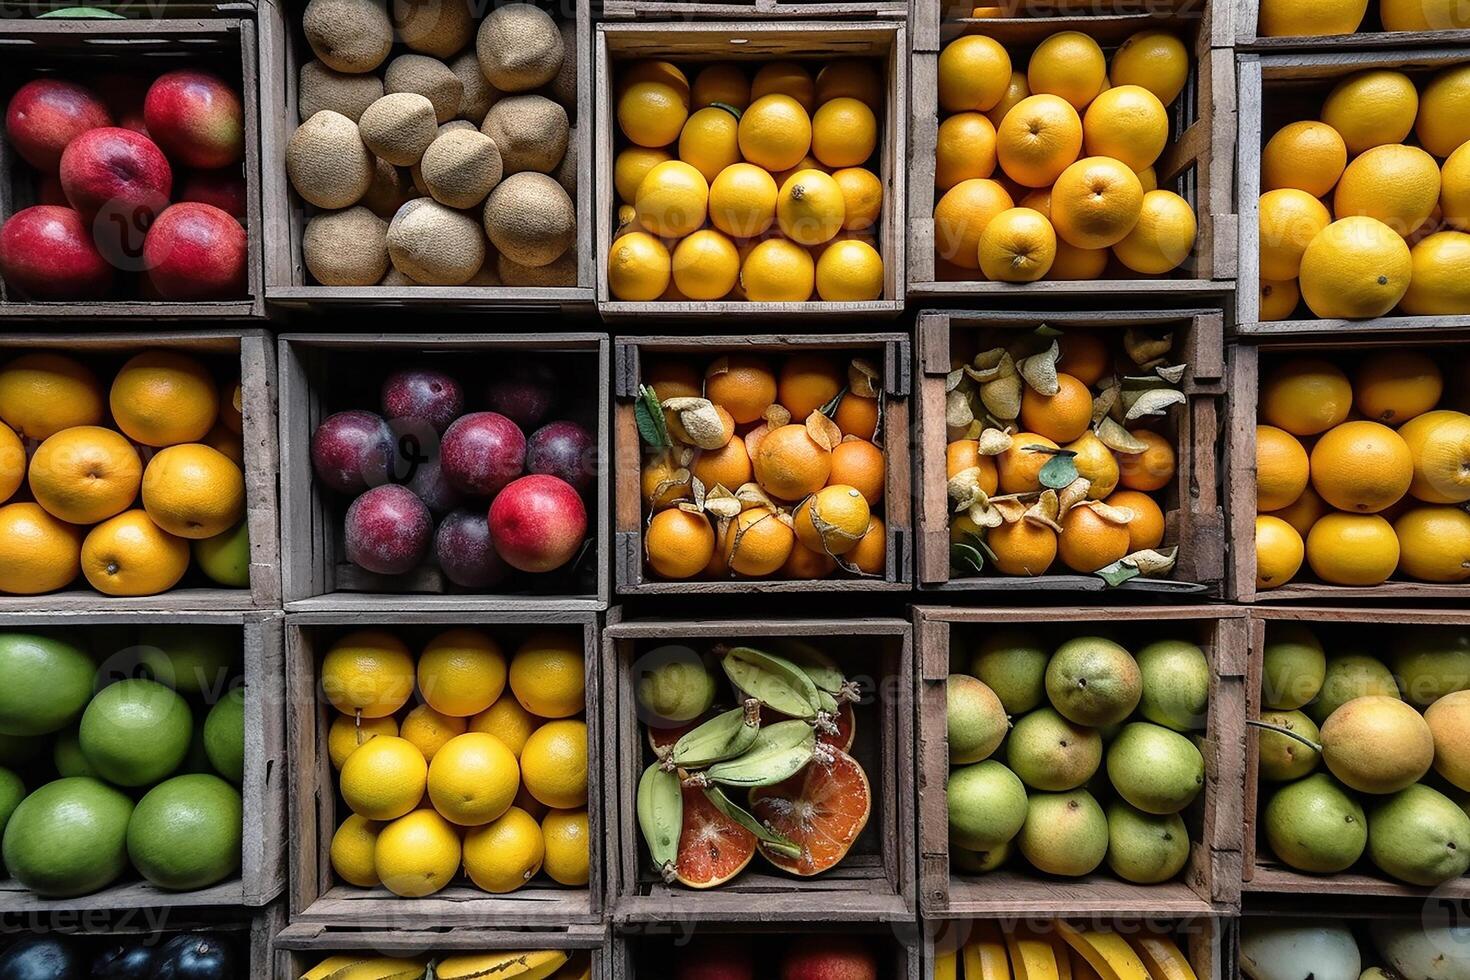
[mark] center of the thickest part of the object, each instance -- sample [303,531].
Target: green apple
[225,558]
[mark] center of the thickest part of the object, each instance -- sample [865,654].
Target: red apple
[116,171]
[195,252]
[481,452]
[537,523]
[47,252]
[224,189]
[46,114]
[197,118]
[830,958]
[123,94]
[388,530]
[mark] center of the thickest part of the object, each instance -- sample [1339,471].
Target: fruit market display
[748,182]
[167,956]
[1362,466]
[111,761]
[1044,724]
[1389,948]
[126,486]
[770,774]
[1284,18]
[484,773]
[437,148]
[1060,451]
[134,183]
[1366,209]
[520,964]
[807,956]
[1044,166]
[763,466]
[1364,756]
[487,476]
[1047,951]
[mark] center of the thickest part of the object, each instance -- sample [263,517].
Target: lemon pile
[1368,207]
[475,776]
[748,187]
[1047,171]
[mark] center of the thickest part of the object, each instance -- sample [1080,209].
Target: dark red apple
[388,530]
[537,523]
[565,450]
[829,958]
[428,482]
[716,958]
[47,252]
[524,394]
[482,452]
[423,393]
[465,553]
[46,114]
[351,451]
[116,171]
[197,118]
[195,252]
[224,189]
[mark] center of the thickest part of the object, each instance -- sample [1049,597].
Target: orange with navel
[193,491]
[129,555]
[85,474]
[858,463]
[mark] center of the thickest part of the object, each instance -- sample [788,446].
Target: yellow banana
[1031,955]
[380,968]
[578,967]
[1163,958]
[331,965]
[946,965]
[521,964]
[1063,955]
[985,955]
[1106,952]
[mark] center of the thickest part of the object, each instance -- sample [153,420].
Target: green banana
[722,737]
[772,680]
[779,751]
[661,814]
[521,964]
[748,820]
[817,665]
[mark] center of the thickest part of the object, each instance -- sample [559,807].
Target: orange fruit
[713,848]
[1018,245]
[808,381]
[129,555]
[1291,18]
[1096,202]
[741,384]
[707,141]
[679,543]
[1089,542]
[671,378]
[857,416]
[1074,264]
[871,553]
[805,563]
[1309,156]
[231,405]
[162,398]
[1163,237]
[862,197]
[651,113]
[659,485]
[1022,548]
[632,164]
[720,83]
[1279,552]
[974,73]
[1356,268]
[966,149]
[785,78]
[1095,463]
[1305,511]
[1439,442]
[638,267]
[1062,417]
[1289,220]
[960,218]
[1305,396]
[12,462]
[1151,469]
[1018,469]
[962,454]
[1069,64]
[844,133]
[1279,299]
[1398,185]
[193,491]
[1353,549]
[822,810]
[1127,123]
[43,393]
[858,463]
[758,543]
[1434,543]
[223,440]
[810,208]
[38,553]
[1372,108]
[1146,529]
[1281,468]
[775,132]
[85,474]
[728,466]
[1085,356]
[1016,90]
[1038,139]
[854,78]
[777,271]
[1437,284]
[832,520]
[1361,467]
[1157,60]
[789,464]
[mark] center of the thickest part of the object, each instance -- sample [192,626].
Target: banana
[331,965]
[1081,969]
[1163,958]
[946,965]
[985,955]
[1063,954]
[1031,955]
[722,737]
[660,814]
[1106,952]
[746,819]
[772,680]
[821,668]
[521,964]
[380,968]
[778,752]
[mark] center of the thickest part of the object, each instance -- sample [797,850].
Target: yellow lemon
[673,200]
[651,113]
[12,462]
[193,491]
[1308,155]
[706,265]
[810,208]
[504,854]
[844,133]
[1289,220]
[1163,237]
[1352,549]
[1127,123]
[775,132]
[1018,245]
[84,474]
[853,78]
[352,851]
[1439,441]
[38,553]
[1372,108]
[1069,64]
[473,779]
[430,731]
[1443,123]
[162,397]
[784,78]
[1096,202]
[1454,192]
[507,721]
[1155,59]
[725,83]
[1096,462]
[384,778]
[862,197]
[1439,285]
[461,672]
[1356,268]
[1296,18]
[1279,298]
[368,672]
[417,855]
[638,268]
[566,839]
[778,271]
[974,73]
[742,200]
[554,764]
[547,674]
[708,142]
[965,149]
[632,165]
[1435,543]
[1398,185]
[1279,552]
[43,393]
[130,555]
[849,271]
[347,732]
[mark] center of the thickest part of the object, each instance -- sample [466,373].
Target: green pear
[1293,666]
[1430,662]
[1051,753]
[1314,825]
[1156,770]
[1351,675]
[1064,833]
[976,719]
[1093,681]
[978,862]
[1176,684]
[1145,848]
[1013,663]
[1420,836]
[1281,757]
[987,805]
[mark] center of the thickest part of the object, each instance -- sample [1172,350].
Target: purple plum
[423,393]
[464,551]
[431,486]
[388,530]
[525,394]
[482,452]
[352,451]
[565,450]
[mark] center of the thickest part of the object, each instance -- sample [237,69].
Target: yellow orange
[965,149]
[461,672]
[723,82]
[1293,18]
[417,854]
[832,520]
[508,721]
[1016,90]
[193,491]
[1018,245]
[548,674]
[1095,463]
[784,78]
[775,132]
[672,200]
[705,265]
[1361,467]
[129,555]
[742,200]
[1398,185]
[162,398]
[1439,442]
[1279,552]
[1394,386]
[473,779]
[810,208]
[1352,549]
[429,731]
[853,78]
[368,673]
[638,267]
[1164,236]
[1038,139]
[849,270]
[844,133]
[974,73]
[1281,468]
[960,218]
[503,855]
[12,462]
[1309,156]
[778,271]
[1074,264]
[1372,108]
[632,165]
[1443,122]
[1438,284]
[1127,123]
[1154,59]
[1434,543]
[43,393]
[1356,268]
[862,197]
[1454,193]
[1305,396]
[85,474]
[352,851]
[1096,202]
[652,113]
[1289,220]
[1069,64]
[1279,299]
[38,553]
[554,764]
[860,464]
[1305,511]
[347,732]
[708,143]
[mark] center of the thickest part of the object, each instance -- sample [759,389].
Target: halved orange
[822,810]
[712,847]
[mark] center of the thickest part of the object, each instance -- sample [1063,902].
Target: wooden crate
[1207,884]
[263,870]
[315,573]
[1243,389]
[1192,506]
[224,44]
[752,10]
[636,954]
[1297,84]
[107,351]
[301,946]
[633,578]
[1197,163]
[283,49]
[1370,34]
[1260,870]
[316,808]
[1207,941]
[758,40]
[875,883]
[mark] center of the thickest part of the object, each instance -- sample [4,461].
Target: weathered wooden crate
[1370,35]
[1198,163]
[1207,884]
[628,522]
[301,946]
[1242,394]
[1260,870]
[256,352]
[875,883]
[644,953]
[283,50]
[1279,88]
[314,374]
[1192,506]
[317,899]
[1207,941]
[263,858]
[814,42]
[225,44]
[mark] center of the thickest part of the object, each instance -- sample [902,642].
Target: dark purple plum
[525,394]
[465,553]
[388,530]
[564,450]
[482,452]
[423,393]
[352,451]
[429,483]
